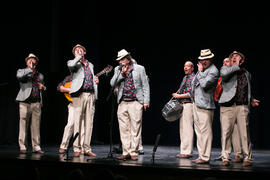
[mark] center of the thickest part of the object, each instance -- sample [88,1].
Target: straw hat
[206,54]
[236,52]
[78,45]
[31,55]
[121,54]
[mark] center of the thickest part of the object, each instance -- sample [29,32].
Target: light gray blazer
[142,89]
[229,83]
[77,75]
[25,79]
[205,88]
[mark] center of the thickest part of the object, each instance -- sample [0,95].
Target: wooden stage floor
[53,165]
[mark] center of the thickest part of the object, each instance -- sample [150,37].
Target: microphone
[121,65]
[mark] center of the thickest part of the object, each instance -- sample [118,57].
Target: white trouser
[203,119]
[30,111]
[229,116]
[69,129]
[186,129]
[130,124]
[84,108]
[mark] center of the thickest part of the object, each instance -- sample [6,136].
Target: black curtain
[160,35]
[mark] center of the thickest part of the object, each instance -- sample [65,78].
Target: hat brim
[121,57]
[206,57]
[80,46]
[240,54]
[26,59]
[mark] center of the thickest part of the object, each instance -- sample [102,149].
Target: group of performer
[133,95]
[197,95]
[131,85]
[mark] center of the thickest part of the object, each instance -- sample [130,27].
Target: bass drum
[172,111]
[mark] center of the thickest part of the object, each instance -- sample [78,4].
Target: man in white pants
[186,121]
[133,96]
[83,91]
[234,103]
[140,149]
[234,142]
[69,128]
[30,102]
[205,83]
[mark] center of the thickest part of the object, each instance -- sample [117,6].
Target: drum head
[172,111]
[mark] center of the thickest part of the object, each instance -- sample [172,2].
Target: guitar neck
[107,69]
[100,73]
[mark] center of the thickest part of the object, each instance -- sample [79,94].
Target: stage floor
[165,166]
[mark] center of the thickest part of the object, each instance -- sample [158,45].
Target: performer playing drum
[186,121]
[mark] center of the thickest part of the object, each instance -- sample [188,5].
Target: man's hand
[145,106]
[64,89]
[175,95]
[41,86]
[124,69]
[116,89]
[96,79]
[254,102]
[200,66]
[82,60]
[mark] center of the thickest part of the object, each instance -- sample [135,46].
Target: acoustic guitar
[107,69]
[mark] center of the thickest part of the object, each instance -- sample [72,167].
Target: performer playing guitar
[107,69]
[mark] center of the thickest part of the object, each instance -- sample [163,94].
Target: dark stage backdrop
[160,35]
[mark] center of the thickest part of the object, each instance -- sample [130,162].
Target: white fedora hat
[206,54]
[31,55]
[121,54]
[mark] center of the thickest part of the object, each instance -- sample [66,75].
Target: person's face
[188,68]
[79,51]
[237,57]
[226,62]
[205,63]
[31,63]
[124,61]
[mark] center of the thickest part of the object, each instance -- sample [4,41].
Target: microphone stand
[155,149]
[71,141]
[110,154]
